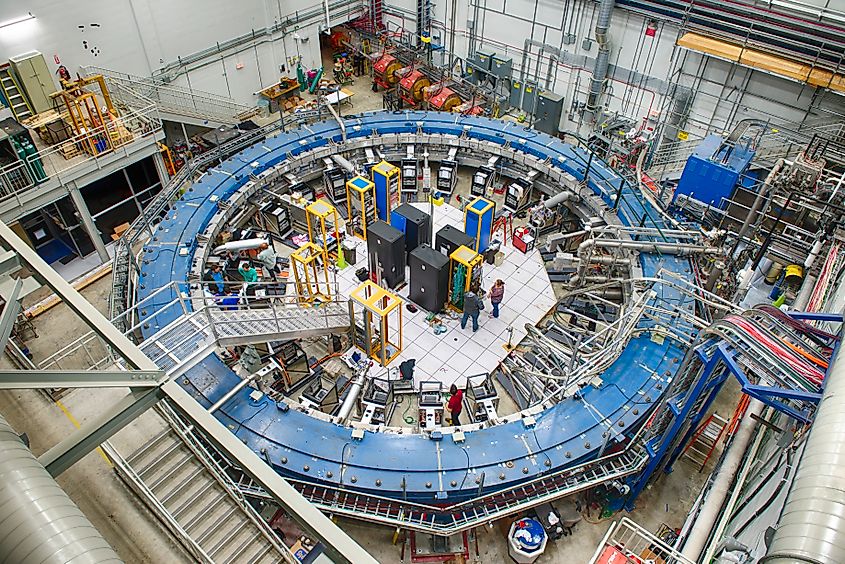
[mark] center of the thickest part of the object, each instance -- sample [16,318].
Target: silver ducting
[812,525]
[39,524]
[603,57]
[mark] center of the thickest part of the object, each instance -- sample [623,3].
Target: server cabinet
[450,238]
[386,250]
[414,223]
[429,287]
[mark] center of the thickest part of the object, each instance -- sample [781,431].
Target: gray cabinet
[35,78]
[548,112]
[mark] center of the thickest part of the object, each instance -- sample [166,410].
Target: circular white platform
[452,356]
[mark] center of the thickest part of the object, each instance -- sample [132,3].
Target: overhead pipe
[40,524]
[337,119]
[812,524]
[603,57]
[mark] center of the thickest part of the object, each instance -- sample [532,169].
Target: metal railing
[176,99]
[94,148]
[630,541]
[125,268]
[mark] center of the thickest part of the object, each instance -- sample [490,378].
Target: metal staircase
[196,501]
[13,94]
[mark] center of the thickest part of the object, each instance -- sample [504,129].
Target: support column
[161,169]
[88,222]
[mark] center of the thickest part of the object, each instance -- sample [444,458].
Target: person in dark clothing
[456,404]
[472,306]
[214,277]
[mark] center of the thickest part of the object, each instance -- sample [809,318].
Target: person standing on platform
[472,307]
[267,258]
[456,404]
[214,277]
[248,273]
[497,293]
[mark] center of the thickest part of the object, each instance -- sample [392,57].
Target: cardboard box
[121,229]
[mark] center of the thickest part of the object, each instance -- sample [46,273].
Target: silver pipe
[341,161]
[711,509]
[40,524]
[812,525]
[764,189]
[351,398]
[228,395]
[603,57]
[338,120]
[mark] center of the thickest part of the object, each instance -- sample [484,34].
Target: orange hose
[812,358]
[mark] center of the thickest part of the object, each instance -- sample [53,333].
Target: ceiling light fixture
[21,19]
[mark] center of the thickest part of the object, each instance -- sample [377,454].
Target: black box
[386,250]
[450,238]
[414,223]
[429,278]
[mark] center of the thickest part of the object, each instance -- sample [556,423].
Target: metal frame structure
[338,544]
[379,305]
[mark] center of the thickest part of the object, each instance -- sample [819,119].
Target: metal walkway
[189,339]
[197,502]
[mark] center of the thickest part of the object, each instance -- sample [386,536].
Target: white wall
[143,36]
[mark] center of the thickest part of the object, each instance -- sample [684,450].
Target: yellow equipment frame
[306,263]
[317,215]
[359,187]
[462,256]
[378,305]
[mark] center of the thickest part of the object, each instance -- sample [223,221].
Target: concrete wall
[147,37]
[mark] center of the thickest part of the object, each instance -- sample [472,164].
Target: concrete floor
[138,537]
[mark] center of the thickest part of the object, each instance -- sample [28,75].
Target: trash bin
[350,253]
[526,541]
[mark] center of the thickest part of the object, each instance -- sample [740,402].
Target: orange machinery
[384,71]
[445,100]
[411,87]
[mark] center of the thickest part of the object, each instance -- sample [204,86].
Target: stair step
[231,545]
[162,472]
[190,496]
[204,512]
[160,457]
[217,526]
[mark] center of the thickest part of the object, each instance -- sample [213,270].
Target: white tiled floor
[454,355]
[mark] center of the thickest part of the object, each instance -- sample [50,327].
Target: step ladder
[704,440]
[207,515]
[14,95]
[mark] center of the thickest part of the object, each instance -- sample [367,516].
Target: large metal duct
[603,57]
[812,525]
[39,524]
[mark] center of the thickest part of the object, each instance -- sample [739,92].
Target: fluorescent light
[21,19]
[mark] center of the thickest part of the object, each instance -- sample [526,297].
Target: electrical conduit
[603,57]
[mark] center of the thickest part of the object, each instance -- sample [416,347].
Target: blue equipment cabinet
[478,222]
[713,171]
[387,179]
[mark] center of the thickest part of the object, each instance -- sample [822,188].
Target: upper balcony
[43,176]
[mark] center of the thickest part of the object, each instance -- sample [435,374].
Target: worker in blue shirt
[214,277]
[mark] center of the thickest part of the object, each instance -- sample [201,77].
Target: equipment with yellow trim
[380,310]
[321,218]
[309,264]
[479,217]
[387,180]
[360,206]
[464,275]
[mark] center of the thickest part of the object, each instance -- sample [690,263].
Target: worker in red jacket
[456,403]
